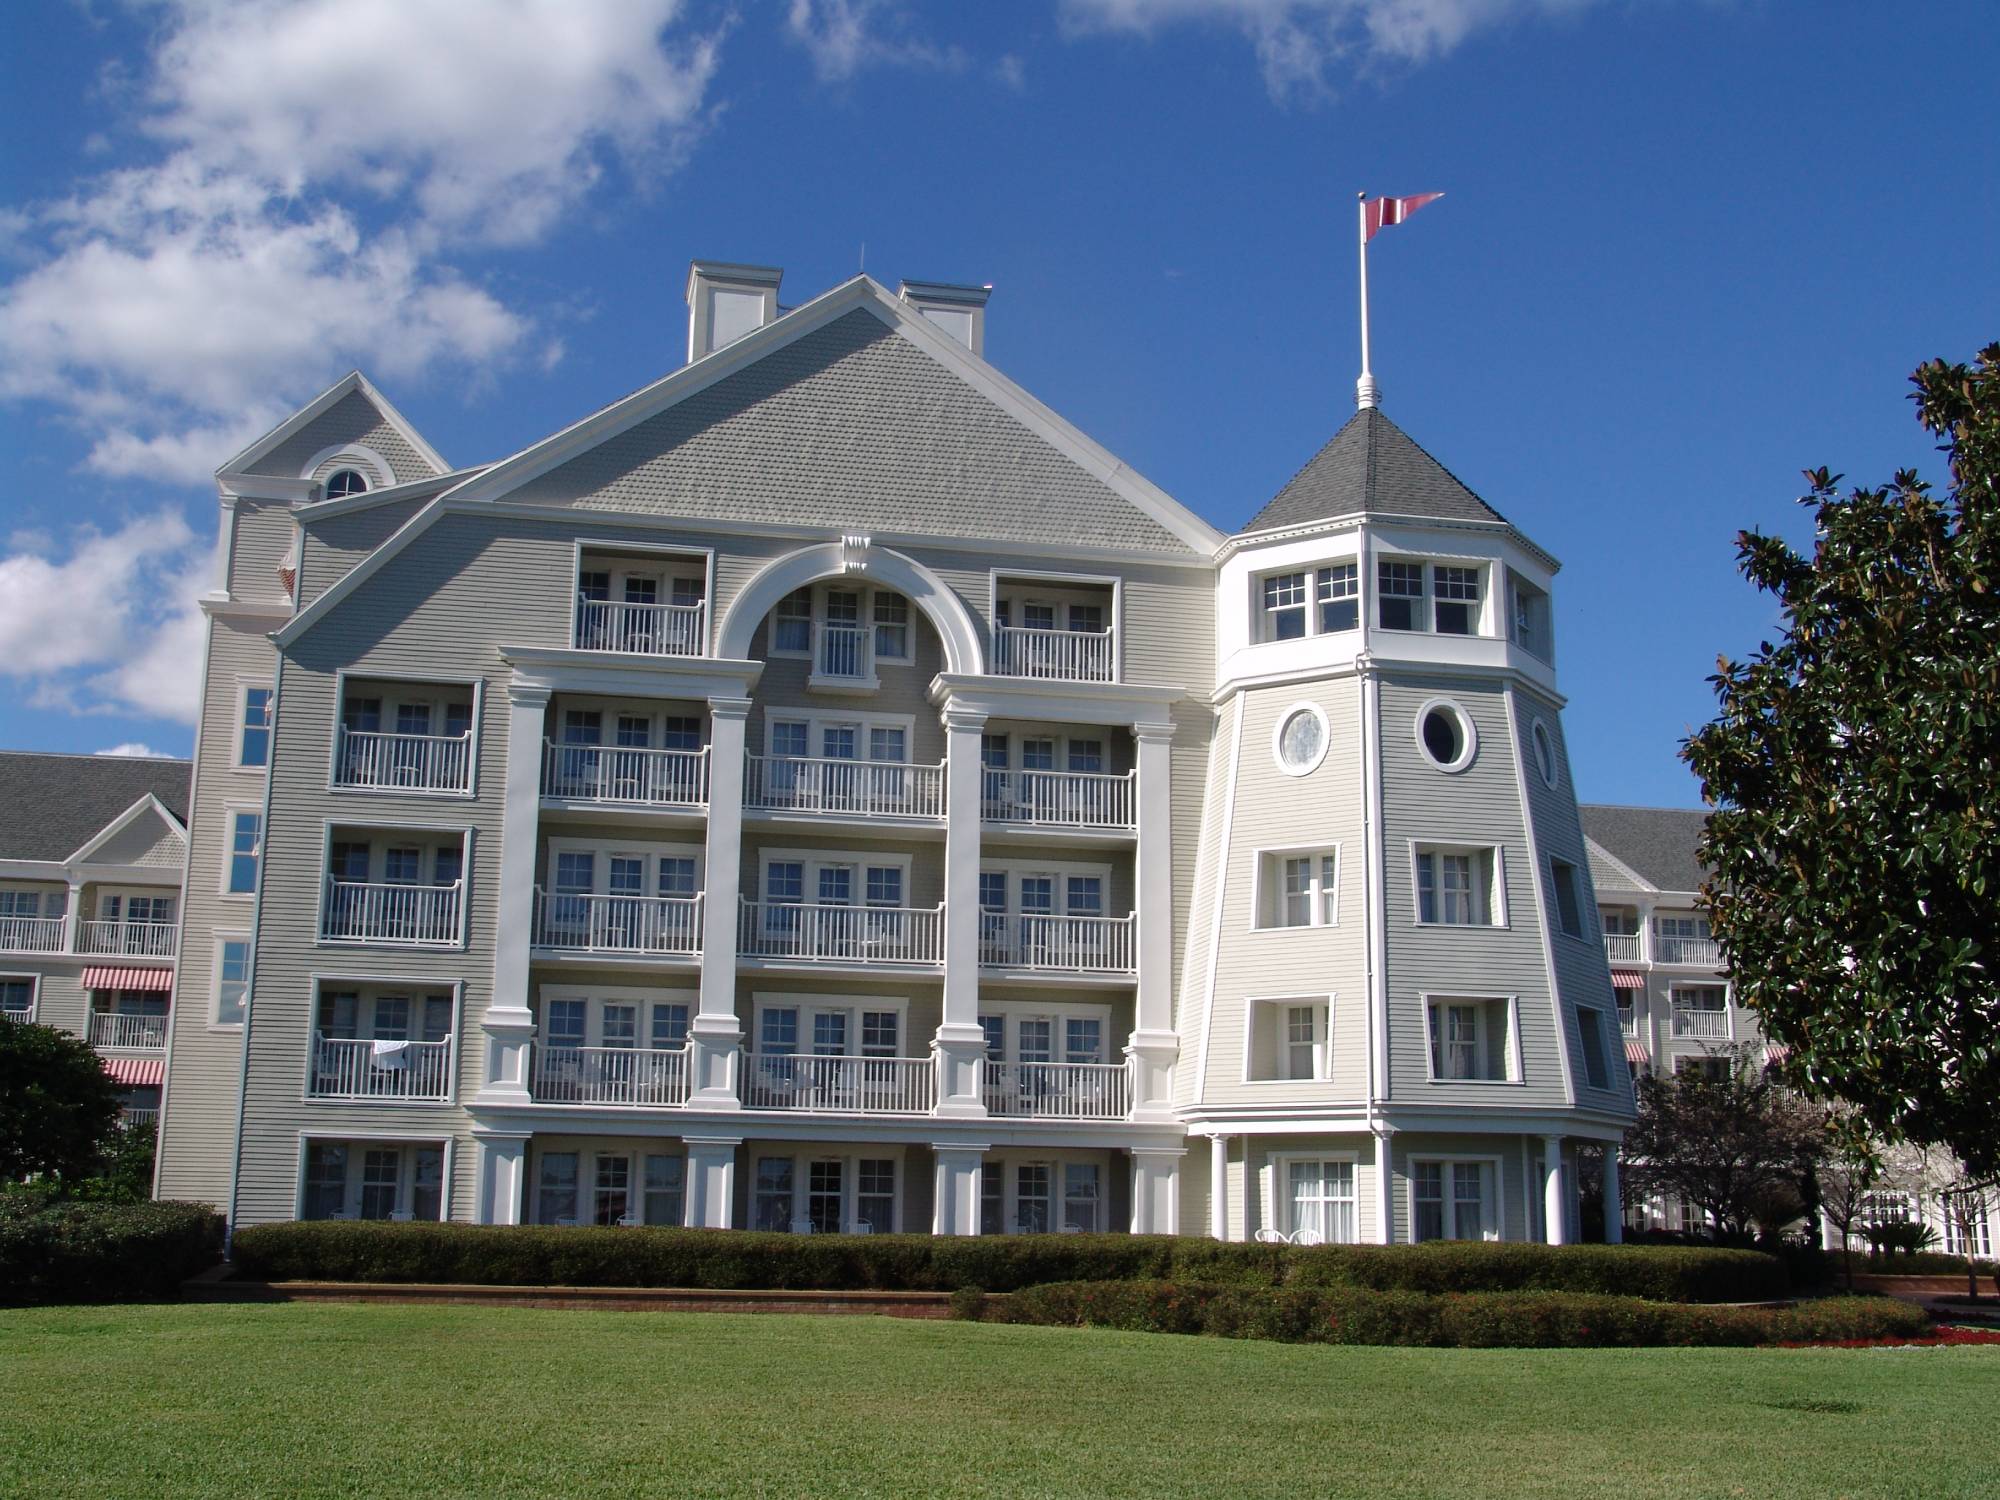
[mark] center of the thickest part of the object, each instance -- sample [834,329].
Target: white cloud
[135,750]
[842,37]
[1298,42]
[110,626]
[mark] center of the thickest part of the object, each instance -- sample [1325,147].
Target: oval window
[343,482]
[1300,743]
[1445,735]
[1545,753]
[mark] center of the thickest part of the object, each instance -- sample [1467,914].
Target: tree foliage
[1732,1144]
[58,1107]
[1854,769]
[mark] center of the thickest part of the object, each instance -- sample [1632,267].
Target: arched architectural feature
[372,465]
[854,557]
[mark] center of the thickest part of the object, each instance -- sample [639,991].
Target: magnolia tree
[1854,769]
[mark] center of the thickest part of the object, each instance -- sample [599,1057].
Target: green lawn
[185,1401]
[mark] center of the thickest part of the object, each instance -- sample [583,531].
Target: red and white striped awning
[1776,1052]
[112,977]
[137,1072]
[1625,979]
[1636,1051]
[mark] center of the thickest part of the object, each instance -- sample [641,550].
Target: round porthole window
[1445,735]
[1545,753]
[1301,739]
[343,482]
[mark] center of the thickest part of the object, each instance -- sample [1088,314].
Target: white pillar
[502,1165]
[960,1180]
[715,1036]
[711,1181]
[73,919]
[1218,1187]
[959,1048]
[508,1024]
[1614,1210]
[1154,1044]
[1156,1189]
[1555,1224]
[1385,1187]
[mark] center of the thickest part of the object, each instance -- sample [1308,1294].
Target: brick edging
[617,1298]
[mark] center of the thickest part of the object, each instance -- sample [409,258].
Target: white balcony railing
[1082,945]
[846,934]
[843,788]
[1701,1025]
[647,629]
[872,1085]
[842,652]
[136,1033]
[1687,950]
[387,912]
[129,939]
[345,1068]
[586,923]
[1069,655]
[1062,1091]
[31,934]
[139,1119]
[632,776]
[378,761]
[1059,799]
[643,1077]
[1622,947]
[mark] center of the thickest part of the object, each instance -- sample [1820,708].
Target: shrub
[531,1255]
[58,1251]
[1924,1263]
[968,1304]
[1454,1320]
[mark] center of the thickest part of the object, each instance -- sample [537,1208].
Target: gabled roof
[391,425]
[51,806]
[1372,466]
[1655,843]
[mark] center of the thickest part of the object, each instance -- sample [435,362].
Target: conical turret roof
[1372,466]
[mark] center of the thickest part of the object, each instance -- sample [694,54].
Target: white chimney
[958,310]
[726,301]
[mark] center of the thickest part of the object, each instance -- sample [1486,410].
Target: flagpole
[1365,393]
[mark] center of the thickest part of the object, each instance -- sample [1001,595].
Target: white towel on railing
[391,1053]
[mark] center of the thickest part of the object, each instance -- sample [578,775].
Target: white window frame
[230,813]
[244,687]
[416,988]
[818,719]
[1268,887]
[1281,1195]
[1468,735]
[1012,1013]
[850,1159]
[1060,871]
[1512,1072]
[432,836]
[1482,581]
[1276,1067]
[596,996]
[431,697]
[603,853]
[815,860]
[222,939]
[1420,602]
[368,1140]
[618,559]
[34,994]
[1008,1165]
[1495,898]
[1285,716]
[1545,753]
[762,1001]
[1496,1213]
[1674,989]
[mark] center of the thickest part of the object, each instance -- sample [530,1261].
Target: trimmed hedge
[1923,1263]
[1453,1320]
[530,1255]
[53,1251]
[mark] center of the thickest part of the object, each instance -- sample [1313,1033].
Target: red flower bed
[1937,1338]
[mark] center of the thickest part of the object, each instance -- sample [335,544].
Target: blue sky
[1689,248]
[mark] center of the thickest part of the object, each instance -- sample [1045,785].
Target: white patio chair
[860,1226]
[1272,1237]
[802,1226]
[1308,1237]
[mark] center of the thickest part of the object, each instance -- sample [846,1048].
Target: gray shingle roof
[52,805]
[1656,842]
[1371,464]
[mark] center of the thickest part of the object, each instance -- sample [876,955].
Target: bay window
[1458,887]
[1471,1040]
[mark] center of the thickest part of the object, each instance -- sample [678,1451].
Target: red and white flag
[1378,212]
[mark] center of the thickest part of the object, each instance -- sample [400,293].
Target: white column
[1218,1187]
[1154,1044]
[1156,1189]
[1554,1220]
[959,1048]
[502,1164]
[1614,1210]
[960,1180]
[73,918]
[1385,1187]
[711,1181]
[715,1035]
[508,1024]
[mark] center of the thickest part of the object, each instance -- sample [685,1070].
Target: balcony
[128,939]
[1703,952]
[1058,1091]
[31,934]
[139,1120]
[581,922]
[1691,1024]
[867,935]
[379,761]
[867,1085]
[128,1033]
[641,629]
[1056,655]
[396,914]
[1060,799]
[345,1068]
[1058,944]
[843,788]
[621,776]
[638,1077]
[1622,947]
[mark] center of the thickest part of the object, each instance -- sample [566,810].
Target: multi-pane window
[889,743]
[253,745]
[1081,1190]
[892,626]
[784,881]
[381,1182]
[1455,886]
[1284,606]
[1305,1039]
[1455,596]
[1401,589]
[246,831]
[791,623]
[555,1188]
[669,1027]
[879,1031]
[676,875]
[1569,904]
[666,1182]
[326,1180]
[402,866]
[1306,892]
[611,1195]
[1628,1021]
[1320,1195]
[1590,1034]
[680,732]
[992,1198]
[1088,619]
[1339,596]
[1083,1039]
[1701,1012]
[778,1032]
[875,1193]
[17,998]
[885,885]
[771,1194]
[619,1025]
[564,1022]
[1032,1185]
[995,1028]
[1470,1040]
[1449,1199]
[825,1195]
[829,1029]
[427,1182]
[27,904]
